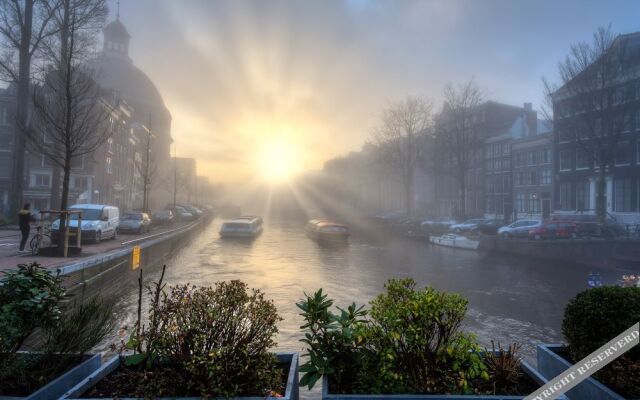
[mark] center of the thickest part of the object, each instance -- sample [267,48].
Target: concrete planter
[291,389]
[551,364]
[58,386]
[526,367]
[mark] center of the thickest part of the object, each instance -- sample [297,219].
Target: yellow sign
[135,257]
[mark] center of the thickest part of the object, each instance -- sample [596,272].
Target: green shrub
[32,299]
[596,316]
[410,343]
[29,299]
[419,331]
[215,339]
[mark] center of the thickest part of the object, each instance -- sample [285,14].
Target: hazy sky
[298,82]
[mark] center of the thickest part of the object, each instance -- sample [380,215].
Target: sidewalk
[10,241]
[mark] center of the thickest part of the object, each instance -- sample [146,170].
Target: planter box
[551,364]
[526,368]
[64,382]
[291,389]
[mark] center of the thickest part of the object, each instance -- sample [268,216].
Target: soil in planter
[526,385]
[27,373]
[165,381]
[622,376]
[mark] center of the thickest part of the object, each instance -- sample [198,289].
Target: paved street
[10,241]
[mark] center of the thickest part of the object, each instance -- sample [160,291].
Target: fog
[240,75]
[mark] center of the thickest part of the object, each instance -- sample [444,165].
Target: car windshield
[92,214]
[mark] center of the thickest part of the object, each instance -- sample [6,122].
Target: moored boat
[327,231]
[242,227]
[457,241]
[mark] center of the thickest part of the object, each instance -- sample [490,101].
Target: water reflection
[510,299]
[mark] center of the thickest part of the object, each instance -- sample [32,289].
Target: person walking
[24,220]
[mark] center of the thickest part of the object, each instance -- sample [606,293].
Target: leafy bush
[410,343]
[334,341]
[419,331]
[596,316]
[216,339]
[32,299]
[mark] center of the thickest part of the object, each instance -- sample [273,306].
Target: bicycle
[38,239]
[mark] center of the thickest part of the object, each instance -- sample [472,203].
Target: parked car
[137,222]
[469,225]
[520,228]
[164,217]
[99,221]
[192,210]
[490,226]
[180,213]
[438,225]
[554,230]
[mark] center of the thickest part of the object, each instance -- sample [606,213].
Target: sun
[278,161]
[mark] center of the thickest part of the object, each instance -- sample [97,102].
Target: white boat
[323,230]
[242,227]
[453,240]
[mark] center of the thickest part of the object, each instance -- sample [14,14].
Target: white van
[99,221]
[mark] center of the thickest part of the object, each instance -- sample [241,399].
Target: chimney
[528,107]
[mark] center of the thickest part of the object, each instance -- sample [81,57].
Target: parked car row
[556,227]
[100,221]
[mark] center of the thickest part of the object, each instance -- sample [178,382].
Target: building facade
[616,123]
[533,173]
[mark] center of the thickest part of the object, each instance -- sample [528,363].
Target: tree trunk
[24,76]
[601,197]
[55,187]
[462,212]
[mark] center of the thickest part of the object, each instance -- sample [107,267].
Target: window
[80,183]
[110,146]
[109,167]
[582,196]
[546,156]
[546,177]
[627,123]
[6,142]
[4,114]
[582,159]
[565,160]
[519,179]
[520,159]
[42,180]
[623,153]
[638,152]
[564,136]
[622,195]
[565,196]
[532,178]
[531,158]
[638,119]
[618,96]
[520,203]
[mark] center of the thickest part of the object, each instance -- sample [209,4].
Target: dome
[116,30]
[133,85]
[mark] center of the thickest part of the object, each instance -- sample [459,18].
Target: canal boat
[323,230]
[457,241]
[242,227]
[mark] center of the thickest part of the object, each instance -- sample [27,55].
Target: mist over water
[510,299]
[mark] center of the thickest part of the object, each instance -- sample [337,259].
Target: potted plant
[36,310]
[408,345]
[198,342]
[591,319]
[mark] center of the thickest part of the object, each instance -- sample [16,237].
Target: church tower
[116,39]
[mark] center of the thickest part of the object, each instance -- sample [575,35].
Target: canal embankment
[595,253]
[105,268]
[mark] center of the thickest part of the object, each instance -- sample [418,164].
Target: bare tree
[89,18]
[590,103]
[69,111]
[148,168]
[457,134]
[24,25]
[399,137]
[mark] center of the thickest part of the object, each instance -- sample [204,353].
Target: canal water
[511,299]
